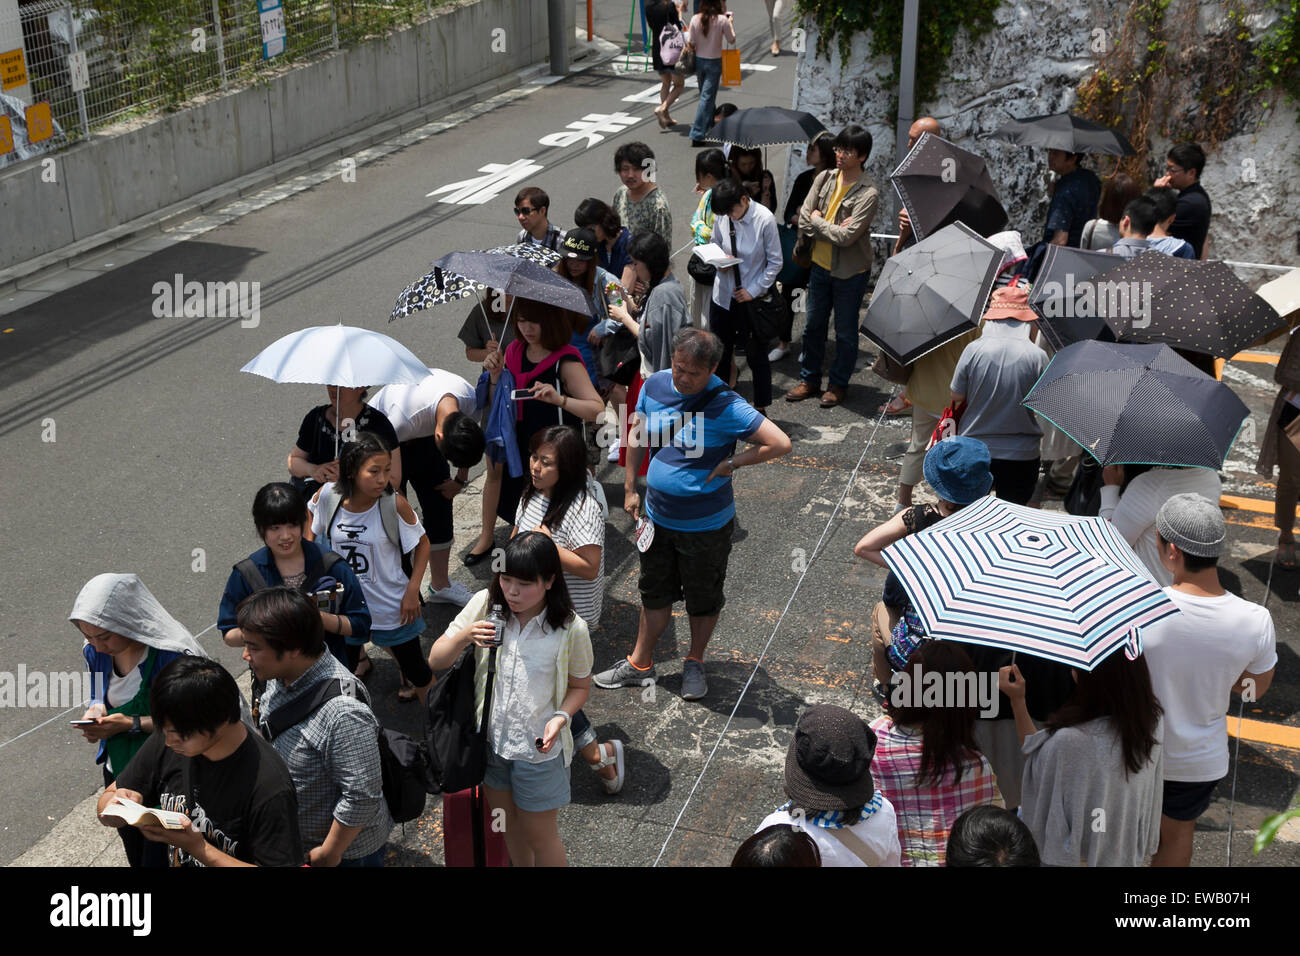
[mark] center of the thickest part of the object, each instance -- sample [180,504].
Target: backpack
[671,44]
[333,501]
[253,577]
[404,761]
[456,747]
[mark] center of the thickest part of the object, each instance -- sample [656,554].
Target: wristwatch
[135,725]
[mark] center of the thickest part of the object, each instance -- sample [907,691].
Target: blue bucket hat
[958,469]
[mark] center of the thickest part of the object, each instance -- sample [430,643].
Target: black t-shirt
[1192,218]
[798,193]
[245,805]
[316,435]
[657,16]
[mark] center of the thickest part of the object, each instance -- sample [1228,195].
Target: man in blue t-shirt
[1074,201]
[690,422]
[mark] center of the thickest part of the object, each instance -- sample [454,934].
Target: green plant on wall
[939,23]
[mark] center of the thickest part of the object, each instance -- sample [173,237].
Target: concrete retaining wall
[111,179]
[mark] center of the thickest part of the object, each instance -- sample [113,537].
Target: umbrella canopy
[1066,315]
[931,292]
[765,126]
[338,355]
[1188,304]
[1138,404]
[1060,587]
[440,285]
[1283,295]
[1074,134]
[941,183]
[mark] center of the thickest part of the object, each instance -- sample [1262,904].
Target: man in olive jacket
[836,217]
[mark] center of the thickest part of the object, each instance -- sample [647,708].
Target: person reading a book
[204,762]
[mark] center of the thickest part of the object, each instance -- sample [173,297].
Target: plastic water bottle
[497,618]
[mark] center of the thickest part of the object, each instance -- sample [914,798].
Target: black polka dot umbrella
[1184,303]
[445,284]
[1138,404]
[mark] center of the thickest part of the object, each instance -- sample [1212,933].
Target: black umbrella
[1186,303]
[1138,404]
[765,126]
[1065,301]
[941,183]
[931,292]
[1074,134]
[446,283]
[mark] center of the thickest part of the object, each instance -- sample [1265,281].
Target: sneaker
[800,392]
[454,593]
[693,684]
[623,674]
[612,786]
[777,354]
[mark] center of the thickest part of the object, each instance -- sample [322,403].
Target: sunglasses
[524,211]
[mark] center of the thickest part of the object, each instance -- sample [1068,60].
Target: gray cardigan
[665,312]
[1079,804]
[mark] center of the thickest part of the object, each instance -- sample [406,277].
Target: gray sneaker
[623,674]
[693,684]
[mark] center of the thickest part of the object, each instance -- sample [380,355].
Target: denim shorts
[534,787]
[393,636]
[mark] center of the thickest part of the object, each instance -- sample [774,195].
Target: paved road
[160,444]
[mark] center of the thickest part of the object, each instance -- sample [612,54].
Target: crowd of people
[347,560]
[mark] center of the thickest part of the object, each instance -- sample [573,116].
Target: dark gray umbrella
[1138,404]
[1074,134]
[444,284]
[1186,303]
[1065,300]
[941,183]
[765,126]
[931,292]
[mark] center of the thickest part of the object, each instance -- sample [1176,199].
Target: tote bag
[731,67]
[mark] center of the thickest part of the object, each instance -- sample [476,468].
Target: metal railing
[97,63]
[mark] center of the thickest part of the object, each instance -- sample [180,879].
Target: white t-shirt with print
[361,541]
[1195,659]
[583,524]
[878,831]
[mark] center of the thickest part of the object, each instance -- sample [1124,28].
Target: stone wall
[1031,64]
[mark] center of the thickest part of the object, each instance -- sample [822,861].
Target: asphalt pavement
[133,443]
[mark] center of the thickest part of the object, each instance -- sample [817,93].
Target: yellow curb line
[1260,731]
[1267,358]
[1258,505]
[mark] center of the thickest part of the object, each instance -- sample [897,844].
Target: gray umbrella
[444,284]
[932,292]
[1138,404]
[939,183]
[1066,131]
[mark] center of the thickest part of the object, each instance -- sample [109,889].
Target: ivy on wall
[939,22]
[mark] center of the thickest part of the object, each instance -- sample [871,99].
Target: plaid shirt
[926,814]
[333,757]
[551,240]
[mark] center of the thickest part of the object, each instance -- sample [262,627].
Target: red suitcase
[468,838]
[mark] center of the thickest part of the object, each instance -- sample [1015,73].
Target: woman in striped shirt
[562,502]
[926,762]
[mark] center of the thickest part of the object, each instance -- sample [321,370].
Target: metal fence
[101,62]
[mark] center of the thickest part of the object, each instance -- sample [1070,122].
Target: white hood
[122,604]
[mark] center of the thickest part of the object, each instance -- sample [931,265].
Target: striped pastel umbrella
[1054,585]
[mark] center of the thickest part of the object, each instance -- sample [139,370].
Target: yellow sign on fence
[13,69]
[40,125]
[6,135]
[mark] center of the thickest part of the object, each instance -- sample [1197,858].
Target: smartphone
[83,723]
[522,394]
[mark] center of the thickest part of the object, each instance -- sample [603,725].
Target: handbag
[672,42]
[685,65]
[457,746]
[731,67]
[701,271]
[948,422]
[890,369]
[768,314]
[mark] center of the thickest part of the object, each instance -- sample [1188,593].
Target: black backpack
[404,760]
[457,748]
[253,577]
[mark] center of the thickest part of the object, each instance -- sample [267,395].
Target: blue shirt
[1073,204]
[676,494]
[1172,246]
[615,260]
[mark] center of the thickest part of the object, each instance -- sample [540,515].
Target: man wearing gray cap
[1219,645]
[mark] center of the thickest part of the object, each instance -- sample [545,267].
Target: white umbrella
[339,355]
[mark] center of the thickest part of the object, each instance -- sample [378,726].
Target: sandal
[407,692]
[616,760]
[898,405]
[1286,554]
[363,668]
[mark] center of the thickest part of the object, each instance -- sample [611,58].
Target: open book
[712,253]
[134,814]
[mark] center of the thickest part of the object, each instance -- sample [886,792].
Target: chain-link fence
[99,62]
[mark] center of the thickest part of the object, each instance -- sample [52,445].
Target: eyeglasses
[523,211]
[1174,170]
